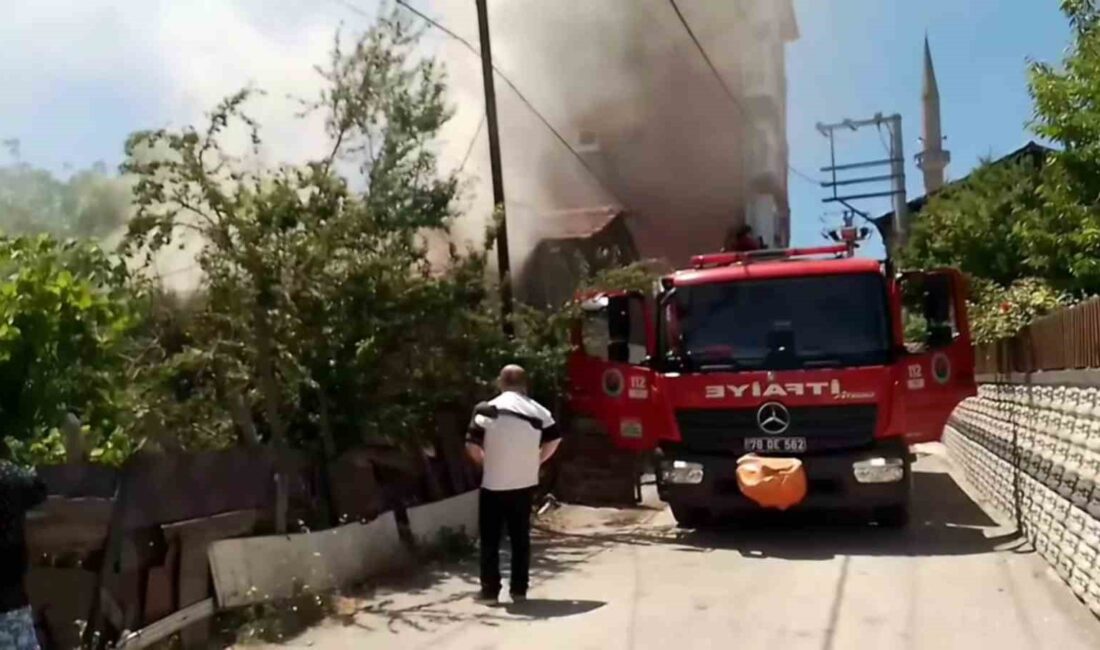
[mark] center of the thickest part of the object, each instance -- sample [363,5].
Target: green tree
[1030,238]
[996,226]
[1067,111]
[322,322]
[980,225]
[66,313]
[90,204]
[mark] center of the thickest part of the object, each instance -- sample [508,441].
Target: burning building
[583,241]
[683,149]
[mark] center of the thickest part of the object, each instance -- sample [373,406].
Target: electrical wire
[185,269]
[473,142]
[706,57]
[803,175]
[885,147]
[519,94]
[503,77]
[722,81]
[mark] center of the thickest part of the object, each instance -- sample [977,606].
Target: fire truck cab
[808,353]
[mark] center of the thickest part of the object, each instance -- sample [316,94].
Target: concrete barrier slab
[458,513]
[258,569]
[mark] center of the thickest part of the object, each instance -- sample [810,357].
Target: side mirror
[928,303]
[618,351]
[940,335]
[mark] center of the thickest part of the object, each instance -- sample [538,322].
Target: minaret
[934,158]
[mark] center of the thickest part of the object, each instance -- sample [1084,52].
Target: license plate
[775,444]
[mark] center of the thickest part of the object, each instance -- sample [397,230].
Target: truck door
[608,381]
[936,371]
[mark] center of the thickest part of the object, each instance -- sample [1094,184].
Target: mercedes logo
[773,418]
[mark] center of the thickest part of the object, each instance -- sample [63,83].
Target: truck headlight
[879,470]
[683,472]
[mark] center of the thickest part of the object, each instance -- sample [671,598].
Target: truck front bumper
[871,477]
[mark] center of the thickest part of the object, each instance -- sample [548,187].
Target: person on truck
[509,437]
[741,240]
[20,490]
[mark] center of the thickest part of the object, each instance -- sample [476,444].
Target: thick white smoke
[670,141]
[626,72]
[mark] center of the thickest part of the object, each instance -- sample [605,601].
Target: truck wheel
[895,516]
[690,517]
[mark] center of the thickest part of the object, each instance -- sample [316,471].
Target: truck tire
[690,517]
[895,516]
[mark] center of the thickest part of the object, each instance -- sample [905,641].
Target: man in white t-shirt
[510,437]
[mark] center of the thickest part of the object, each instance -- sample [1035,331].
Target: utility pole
[901,203]
[503,262]
[896,177]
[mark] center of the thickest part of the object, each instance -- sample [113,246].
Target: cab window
[595,334]
[928,311]
[616,331]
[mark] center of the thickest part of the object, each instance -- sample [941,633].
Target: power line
[885,147]
[802,175]
[706,57]
[473,142]
[523,98]
[722,81]
[184,269]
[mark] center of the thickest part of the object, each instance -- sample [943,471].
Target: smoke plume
[622,78]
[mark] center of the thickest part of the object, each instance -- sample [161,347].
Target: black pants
[500,509]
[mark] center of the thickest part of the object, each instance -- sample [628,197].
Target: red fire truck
[809,353]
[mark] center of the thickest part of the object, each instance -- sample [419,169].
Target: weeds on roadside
[275,621]
[452,545]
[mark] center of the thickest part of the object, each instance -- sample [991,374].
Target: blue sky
[98,70]
[859,57]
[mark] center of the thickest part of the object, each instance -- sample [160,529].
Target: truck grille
[825,428]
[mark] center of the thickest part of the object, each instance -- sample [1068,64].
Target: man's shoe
[487,598]
[519,599]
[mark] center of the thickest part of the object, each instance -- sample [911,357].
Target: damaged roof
[580,223]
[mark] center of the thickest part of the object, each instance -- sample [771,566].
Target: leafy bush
[319,321]
[997,312]
[322,323]
[637,276]
[90,203]
[982,224]
[67,311]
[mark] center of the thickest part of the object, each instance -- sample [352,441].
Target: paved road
[630,579]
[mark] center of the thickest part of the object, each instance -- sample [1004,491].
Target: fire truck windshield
[781,323]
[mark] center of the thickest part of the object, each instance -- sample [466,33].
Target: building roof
[1032,151]
[580,223]
[777,269]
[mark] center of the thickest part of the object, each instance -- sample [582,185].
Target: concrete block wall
[1034,454]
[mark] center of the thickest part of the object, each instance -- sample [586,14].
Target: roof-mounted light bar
[727,259]
[849,235]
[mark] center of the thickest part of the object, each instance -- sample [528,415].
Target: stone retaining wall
[1034,454]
